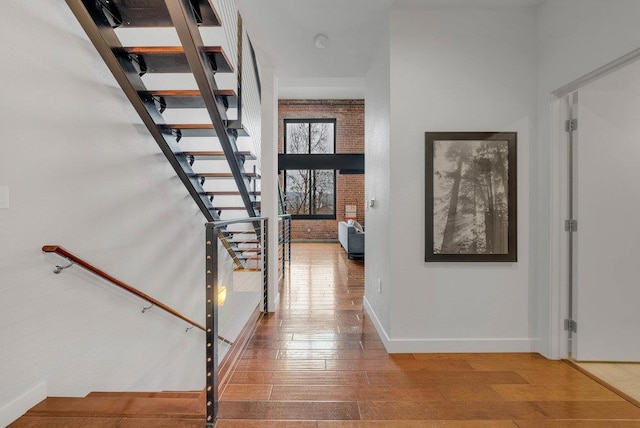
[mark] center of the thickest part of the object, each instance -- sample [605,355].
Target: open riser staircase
[168,57]
[187,90]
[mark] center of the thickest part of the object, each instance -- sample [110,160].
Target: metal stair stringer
[100,32]
[186,26]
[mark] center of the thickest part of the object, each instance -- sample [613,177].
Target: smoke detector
[321,41]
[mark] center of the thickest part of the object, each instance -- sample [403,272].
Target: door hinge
[571,225]
[571,125]
[570,325]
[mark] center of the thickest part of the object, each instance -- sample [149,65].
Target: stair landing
[118,409]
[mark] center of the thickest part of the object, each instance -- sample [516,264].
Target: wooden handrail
[91,268]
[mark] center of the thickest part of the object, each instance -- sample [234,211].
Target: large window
[310,193]
[309,136]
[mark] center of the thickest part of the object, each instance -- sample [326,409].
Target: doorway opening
[599,203]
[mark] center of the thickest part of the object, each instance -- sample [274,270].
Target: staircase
[119,409]
[198,129]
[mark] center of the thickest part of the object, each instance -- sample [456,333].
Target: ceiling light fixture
[321,41]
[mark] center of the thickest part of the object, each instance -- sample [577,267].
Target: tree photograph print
[471,196]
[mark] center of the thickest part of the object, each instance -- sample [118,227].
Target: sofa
[351,237]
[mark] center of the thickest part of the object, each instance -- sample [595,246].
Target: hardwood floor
[625,377]
[318,362]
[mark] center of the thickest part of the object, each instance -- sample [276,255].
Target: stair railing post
[265,263]
[289,236]
[283,241]
[211,324]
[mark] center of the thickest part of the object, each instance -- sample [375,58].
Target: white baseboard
[411,345]
[386,340]
[400,346]
[21,404]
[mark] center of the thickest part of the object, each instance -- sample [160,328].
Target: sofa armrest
[356,243]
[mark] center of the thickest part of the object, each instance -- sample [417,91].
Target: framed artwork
[471,201]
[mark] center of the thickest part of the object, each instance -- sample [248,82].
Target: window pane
[297,191]
[297,138]
[310,192]
[322,138]
[322,192]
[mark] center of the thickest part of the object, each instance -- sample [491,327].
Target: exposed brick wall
[349,115]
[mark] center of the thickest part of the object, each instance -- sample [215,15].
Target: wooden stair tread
[116,405]
[171,59]
[189,93]
[150,394]
[175,98]
[197,129]
[190,125]
[247,250]
[229,209]
[244,241]
[224,174]
[214,155]
[228,193]
[155,14]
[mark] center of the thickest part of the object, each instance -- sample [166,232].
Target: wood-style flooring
[318,362]
[625,377]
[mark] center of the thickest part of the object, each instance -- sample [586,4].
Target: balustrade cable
[284,244]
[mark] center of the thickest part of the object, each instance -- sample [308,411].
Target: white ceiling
[283,31]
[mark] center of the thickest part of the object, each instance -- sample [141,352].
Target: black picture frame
[467,198]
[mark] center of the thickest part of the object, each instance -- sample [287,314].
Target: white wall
[377,185]
[576,37]
[84,173]
[458,69]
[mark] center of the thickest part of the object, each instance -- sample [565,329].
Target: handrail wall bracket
[59,268]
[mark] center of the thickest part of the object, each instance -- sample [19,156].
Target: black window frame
[311,121]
